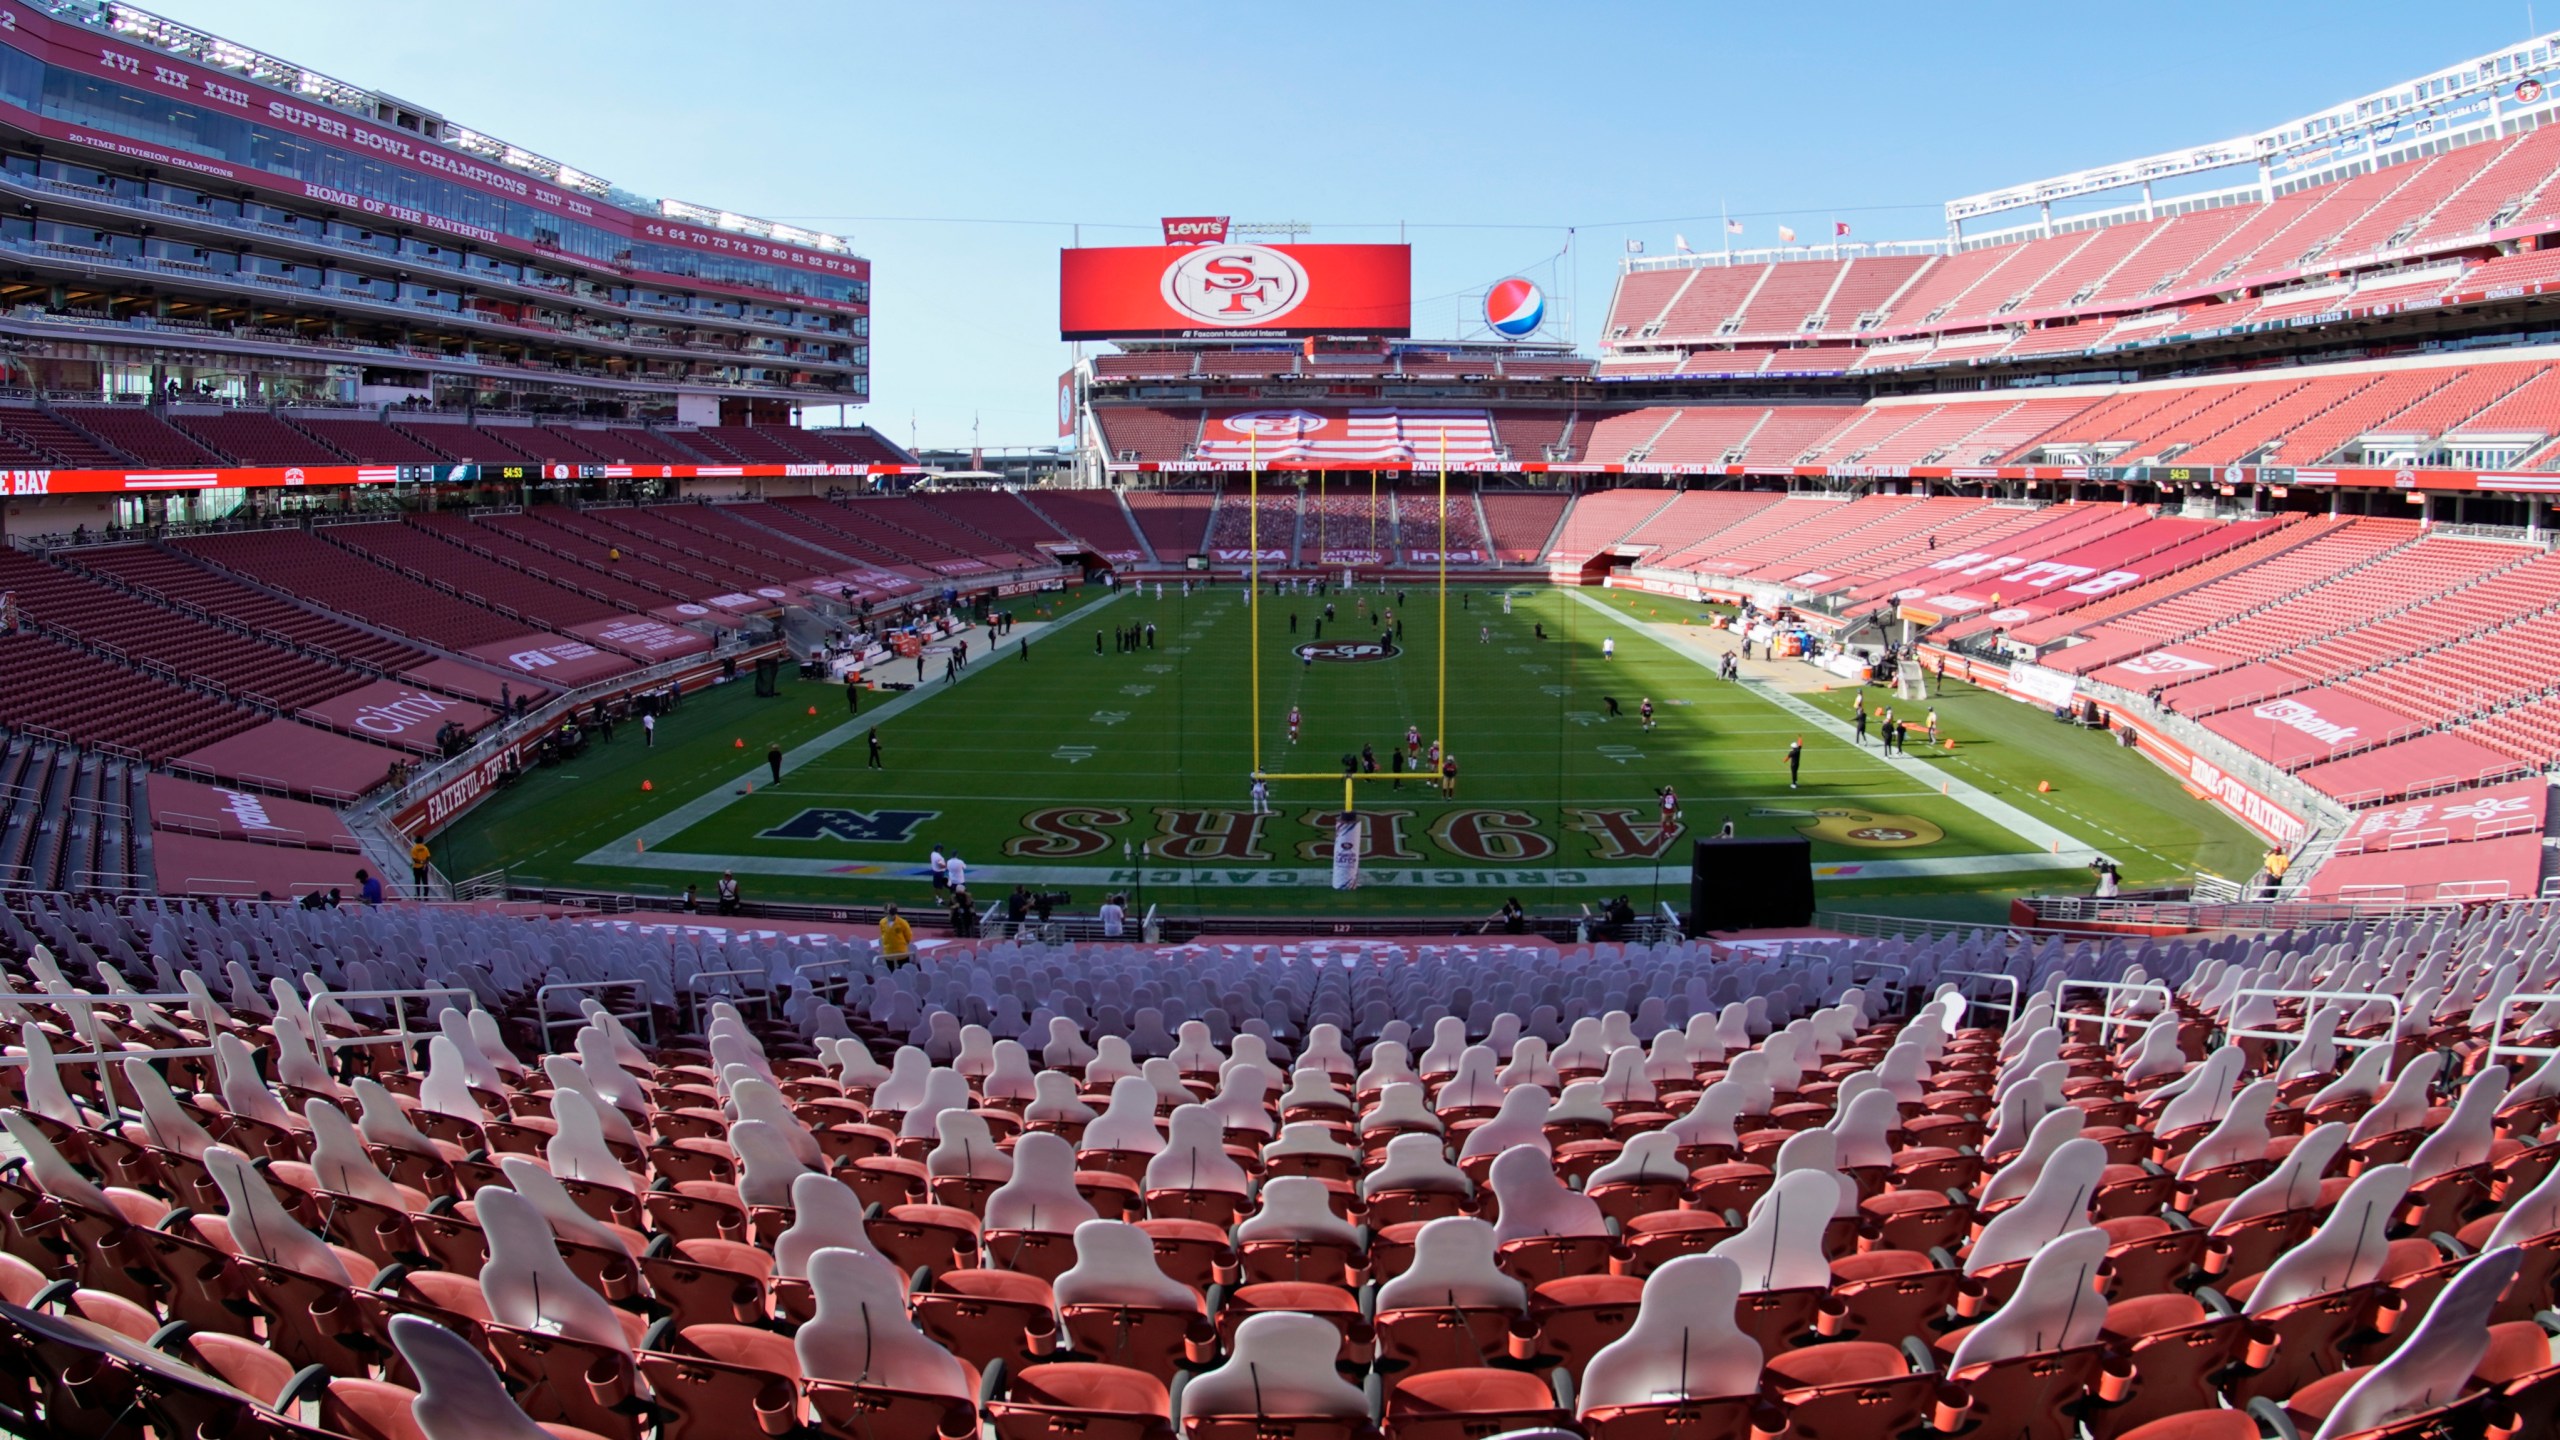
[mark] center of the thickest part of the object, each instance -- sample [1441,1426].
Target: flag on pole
[1635,247]
[1733,227]
[1839,227]
[1346,851]
[1786,236]
[1680,243]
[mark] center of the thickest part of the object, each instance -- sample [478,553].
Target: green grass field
[1053,771]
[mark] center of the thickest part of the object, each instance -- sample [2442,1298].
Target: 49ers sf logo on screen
[1351,652]
[1234,284]
[1217,290]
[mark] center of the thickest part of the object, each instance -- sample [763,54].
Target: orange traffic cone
[740,742]
[642,843]
[2044,787]
[813,709]
[645,786]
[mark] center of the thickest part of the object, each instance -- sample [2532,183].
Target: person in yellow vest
[418,857]
[897,939]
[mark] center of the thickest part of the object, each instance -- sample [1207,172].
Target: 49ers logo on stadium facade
[1240,285]
[1350,652]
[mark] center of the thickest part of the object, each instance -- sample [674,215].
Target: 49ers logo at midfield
[1349,651]
[1234,284]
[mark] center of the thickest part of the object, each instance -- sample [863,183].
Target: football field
[1092,773]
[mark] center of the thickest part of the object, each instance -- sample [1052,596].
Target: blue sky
[960,143]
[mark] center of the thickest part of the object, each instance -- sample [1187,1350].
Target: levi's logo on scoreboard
[30,482]
[1195,229]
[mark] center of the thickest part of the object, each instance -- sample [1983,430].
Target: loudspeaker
[1750,884]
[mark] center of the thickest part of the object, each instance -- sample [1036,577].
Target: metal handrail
[637,986]
[697,1002]
[1889,927]
[2106,1019]
[2013,1006]
[101,1058]
[2498,1027]
[832,991]
[485,885]
[1893,997]
[400,1012]
[2398,1009]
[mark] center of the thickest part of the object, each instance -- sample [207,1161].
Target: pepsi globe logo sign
[1514,308]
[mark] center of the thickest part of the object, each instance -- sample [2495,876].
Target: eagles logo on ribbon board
[1349,652]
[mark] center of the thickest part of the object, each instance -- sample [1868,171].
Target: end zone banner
[1207,292]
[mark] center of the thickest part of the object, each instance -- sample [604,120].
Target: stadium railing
[400,1034]
[1864,926]
[553,1024]
[696,999]
[2066,911]
[2107,1020]
[2498,1044]
[2009,1007]
[487,885]
[1060,929]
[2399,1007]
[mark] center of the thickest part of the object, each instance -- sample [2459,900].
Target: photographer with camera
[2110,879]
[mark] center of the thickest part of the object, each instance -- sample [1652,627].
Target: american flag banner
[1280,437]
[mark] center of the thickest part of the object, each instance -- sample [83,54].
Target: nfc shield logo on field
[1351,652]
[1238,285]
[861,827]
